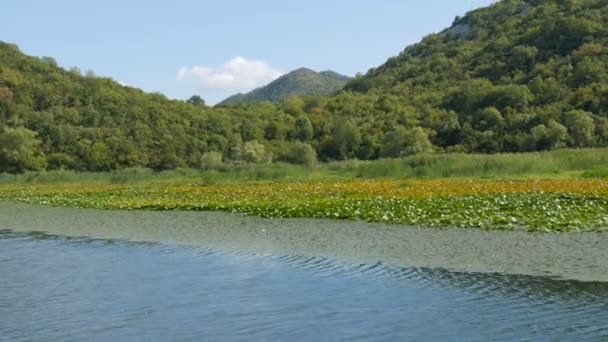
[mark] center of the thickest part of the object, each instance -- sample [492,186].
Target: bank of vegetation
[560,164]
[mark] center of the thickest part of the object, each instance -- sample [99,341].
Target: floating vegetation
[539,205]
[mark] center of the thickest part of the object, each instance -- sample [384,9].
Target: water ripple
[80,288]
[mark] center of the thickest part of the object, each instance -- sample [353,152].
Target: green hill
[51,118]
[516,76]
[296,83]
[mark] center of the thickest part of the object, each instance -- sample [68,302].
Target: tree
[293,105]
[513,96]
[489,118]
[417,142]
[401,142]
[347,138]
[524,57]
[488,141]
[371,143]
[19,151]
[590,70]
[303,128]
[6,95]
[196,100]
[550,136]
[60,161]
[394,143]
[211,160]
[254,152]
[581,127]
[101,157]
[303,154]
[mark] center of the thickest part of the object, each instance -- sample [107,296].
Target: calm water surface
[73,289]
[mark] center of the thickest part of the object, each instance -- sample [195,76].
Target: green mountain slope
[51,118]
[296,83]
[515,76]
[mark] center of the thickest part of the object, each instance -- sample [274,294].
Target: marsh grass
[555,164]
[599,172]
[587,163]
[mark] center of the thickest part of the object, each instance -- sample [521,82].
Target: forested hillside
[517,76]
[300,82]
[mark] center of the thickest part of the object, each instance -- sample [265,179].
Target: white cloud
[238,74]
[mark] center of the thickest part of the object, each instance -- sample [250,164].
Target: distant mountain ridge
[299,82]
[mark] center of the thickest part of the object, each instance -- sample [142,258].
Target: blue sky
[216,48]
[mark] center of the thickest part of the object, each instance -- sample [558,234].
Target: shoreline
[579,256]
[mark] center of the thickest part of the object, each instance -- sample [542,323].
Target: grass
[599,172]
[563,190]
[560,164]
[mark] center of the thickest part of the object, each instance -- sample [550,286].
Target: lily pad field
[533,205]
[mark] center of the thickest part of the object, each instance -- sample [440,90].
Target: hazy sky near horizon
[216,48]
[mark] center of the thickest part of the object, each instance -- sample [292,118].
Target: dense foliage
[516,76]
[300,82]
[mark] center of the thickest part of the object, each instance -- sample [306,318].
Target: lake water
[73,289]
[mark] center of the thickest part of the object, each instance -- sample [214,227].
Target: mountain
[52,118]
[296,83]
[515,76]
[512,77]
